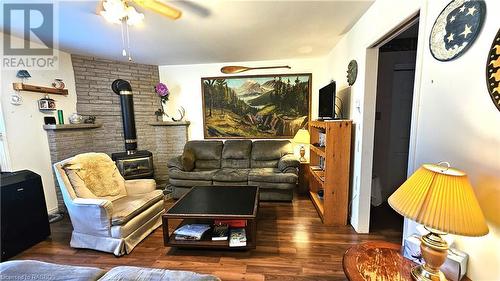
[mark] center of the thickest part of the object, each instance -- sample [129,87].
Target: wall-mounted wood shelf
[71,126]
[39,89]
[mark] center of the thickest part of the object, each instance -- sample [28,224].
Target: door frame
[369,108]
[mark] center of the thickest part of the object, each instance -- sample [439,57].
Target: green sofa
[269,164]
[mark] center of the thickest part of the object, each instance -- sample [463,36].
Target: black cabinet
[24,219]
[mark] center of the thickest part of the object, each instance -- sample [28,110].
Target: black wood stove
[133,163]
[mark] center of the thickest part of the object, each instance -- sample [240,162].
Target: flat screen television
[327,102]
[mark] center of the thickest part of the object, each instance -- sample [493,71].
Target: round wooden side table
[381,261]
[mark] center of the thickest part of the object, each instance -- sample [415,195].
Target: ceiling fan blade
[160,8]
[231,69]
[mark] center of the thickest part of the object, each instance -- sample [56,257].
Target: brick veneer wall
[64,144]
[93,78]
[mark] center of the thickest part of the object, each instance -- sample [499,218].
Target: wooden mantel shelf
[170,123]
[71,126]
[39,89]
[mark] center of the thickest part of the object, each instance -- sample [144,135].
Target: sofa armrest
[175,163]
[140,186]
[91,216]
[288,161]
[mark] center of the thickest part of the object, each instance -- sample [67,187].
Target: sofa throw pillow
[188,160]
[98,172]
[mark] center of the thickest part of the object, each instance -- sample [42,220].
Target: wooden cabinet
[333,177]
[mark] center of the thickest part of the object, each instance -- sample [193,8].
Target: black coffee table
[204,204]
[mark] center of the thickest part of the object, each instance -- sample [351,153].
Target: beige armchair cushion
[95,174]
[129,206]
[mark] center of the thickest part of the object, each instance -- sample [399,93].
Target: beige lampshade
[440,198]
[302,136]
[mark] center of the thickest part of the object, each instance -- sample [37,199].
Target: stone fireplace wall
[93,78]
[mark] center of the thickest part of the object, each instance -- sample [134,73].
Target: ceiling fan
[122,12]
[118,9]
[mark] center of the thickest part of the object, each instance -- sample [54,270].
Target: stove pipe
[124,90]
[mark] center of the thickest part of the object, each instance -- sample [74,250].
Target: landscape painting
[256,107]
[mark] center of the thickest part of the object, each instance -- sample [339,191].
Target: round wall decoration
[352,72]
[456,28]
[493,71]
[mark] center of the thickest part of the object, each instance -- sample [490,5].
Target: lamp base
[434,251]
[302,154]
[419,273]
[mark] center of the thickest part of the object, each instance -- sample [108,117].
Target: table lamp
[441,198]
[302,138]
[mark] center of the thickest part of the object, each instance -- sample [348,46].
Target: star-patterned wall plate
[493,71]
[456,28]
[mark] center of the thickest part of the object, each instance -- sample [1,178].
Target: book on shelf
[232,223]
[316,168]
[191,231]
[238,237]
[220,232]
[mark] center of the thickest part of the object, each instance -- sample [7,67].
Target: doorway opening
[393,115]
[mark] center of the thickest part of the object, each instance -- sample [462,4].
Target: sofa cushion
[196,174]
[236,154]
[130,273]
[268,186]
[237,149]
[37,270]
[128,207]
[188,159]
[189,183]
[271,175]
[231,175]
[270,149]
[207,153]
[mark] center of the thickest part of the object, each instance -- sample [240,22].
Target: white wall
[185,84]
[456,120]
[27,141]
[380,18]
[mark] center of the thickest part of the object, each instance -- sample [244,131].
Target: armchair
[116,223]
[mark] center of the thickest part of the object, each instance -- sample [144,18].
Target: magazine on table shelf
[220,232]
[238,237]
[191,231]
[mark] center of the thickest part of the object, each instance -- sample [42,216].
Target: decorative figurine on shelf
[58,84]
[23,74]
[162,92]
[89,119]
[75,118]
[46,103]
[182,111]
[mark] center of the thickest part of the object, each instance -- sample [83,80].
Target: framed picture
[256,106]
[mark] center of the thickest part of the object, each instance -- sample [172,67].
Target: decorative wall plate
[16,99]
[493,71]
[456,28]
[352,72]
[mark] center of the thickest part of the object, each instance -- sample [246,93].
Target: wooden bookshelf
[335,177]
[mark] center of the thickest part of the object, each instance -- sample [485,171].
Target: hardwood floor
[292,244]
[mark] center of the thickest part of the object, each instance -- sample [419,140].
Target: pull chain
[124,53]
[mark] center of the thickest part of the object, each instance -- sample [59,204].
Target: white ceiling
[212,30]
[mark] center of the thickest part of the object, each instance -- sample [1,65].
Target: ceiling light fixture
[117,11]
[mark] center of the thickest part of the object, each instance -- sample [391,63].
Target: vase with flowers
[163,93]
